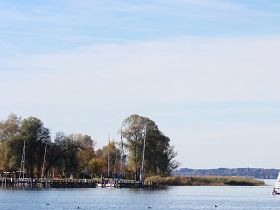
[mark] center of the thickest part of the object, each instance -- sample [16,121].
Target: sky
[206,71]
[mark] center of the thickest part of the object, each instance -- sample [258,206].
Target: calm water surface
[226,197]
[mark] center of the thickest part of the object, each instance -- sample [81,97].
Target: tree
[10,127]
[67,155]
[85,154]
[3,159]
[35,135]
[114,159]
[70,154]
[97,166]
[13,133]
[159,154]
[9,132]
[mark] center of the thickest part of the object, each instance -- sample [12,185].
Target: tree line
[27,141]
[259,173]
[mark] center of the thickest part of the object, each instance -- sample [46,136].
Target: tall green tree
[70,154]
[159,154]
[13,133]
[61,153]
[9,134]
[35,135]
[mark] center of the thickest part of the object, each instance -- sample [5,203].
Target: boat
[99,185]
[276,188]
[110,185]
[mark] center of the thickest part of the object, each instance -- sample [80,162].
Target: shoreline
[150,182]
[203,181]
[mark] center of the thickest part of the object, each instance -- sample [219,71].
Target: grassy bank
[202,181]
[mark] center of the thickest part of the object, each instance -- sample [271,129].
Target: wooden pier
[48,183]
[71,183]
[68,183]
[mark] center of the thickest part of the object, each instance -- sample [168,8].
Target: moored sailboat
[276,188]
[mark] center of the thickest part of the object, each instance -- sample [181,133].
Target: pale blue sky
[45,26]
[205,70]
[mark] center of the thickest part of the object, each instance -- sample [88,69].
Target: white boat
[99,185]
[276,188]
[110,185]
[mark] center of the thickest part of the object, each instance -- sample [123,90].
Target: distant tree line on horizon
[260,173]
[75,155]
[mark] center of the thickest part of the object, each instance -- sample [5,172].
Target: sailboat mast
[122,157]
[143,155]
[22,167]
[43,168]
[109,158]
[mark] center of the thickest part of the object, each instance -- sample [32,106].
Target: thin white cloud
[185,70]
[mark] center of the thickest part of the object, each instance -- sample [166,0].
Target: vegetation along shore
[202,181]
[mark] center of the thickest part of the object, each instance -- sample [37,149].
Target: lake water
[224,197]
